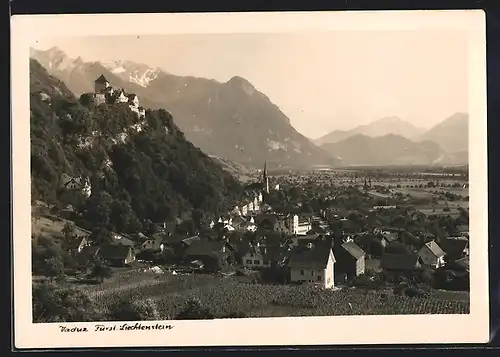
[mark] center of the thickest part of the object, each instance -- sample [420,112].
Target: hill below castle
[116,169]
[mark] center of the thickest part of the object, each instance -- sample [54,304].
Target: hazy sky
[321,81]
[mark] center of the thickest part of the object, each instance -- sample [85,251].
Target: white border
[472,328]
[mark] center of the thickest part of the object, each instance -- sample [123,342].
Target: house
[387,237]
[459,265]
[100,84]
[242,224]
[119,239]
[399,262]
[255,257]
[153,244]
[455,247]
[77,244]
[350,260]
[213,254]
[225,220]
[431,255]
[76,184]
[301,225]
[313,263]
[117,255]
[90,252]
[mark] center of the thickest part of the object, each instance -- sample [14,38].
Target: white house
[431,255]
[255,257]
[299,226]
[225,220]
[314,263]
[76,183]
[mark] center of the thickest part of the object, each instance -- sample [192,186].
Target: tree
[100,271]
[194,310]
[47,257]
[101,236]
[54,304]
[68,229]
[134,310]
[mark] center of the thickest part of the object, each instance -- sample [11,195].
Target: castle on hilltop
[105,93]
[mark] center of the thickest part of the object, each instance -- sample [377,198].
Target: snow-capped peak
[137,73]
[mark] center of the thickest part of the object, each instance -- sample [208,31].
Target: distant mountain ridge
[452,134]
[380,127]
[232,120]
[385,150]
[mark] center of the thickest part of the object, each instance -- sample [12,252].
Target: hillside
[241,172]
[139,169]
[452,134]
[384,150]
[232,120]
[381,127]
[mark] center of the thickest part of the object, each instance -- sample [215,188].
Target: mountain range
[232,120]
[235,121]
[380,127]
[392,141]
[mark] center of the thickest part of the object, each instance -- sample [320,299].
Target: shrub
[126,310]
[55,304]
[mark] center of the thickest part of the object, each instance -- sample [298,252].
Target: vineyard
[230,296]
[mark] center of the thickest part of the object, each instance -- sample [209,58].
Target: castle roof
[101,79]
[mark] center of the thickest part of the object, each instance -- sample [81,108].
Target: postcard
[249,179]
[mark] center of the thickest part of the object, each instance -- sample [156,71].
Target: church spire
[265,179]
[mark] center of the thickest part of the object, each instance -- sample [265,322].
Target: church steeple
[265,178]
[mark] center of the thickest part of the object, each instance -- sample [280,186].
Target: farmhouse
[255,257]
[76,184]
[431,255]
[313,263]
[116,255]
[350,260]
[153,244]
[455,247]
[213,254]
[76,244]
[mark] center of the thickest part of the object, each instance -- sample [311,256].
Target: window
[312,272]
[301,272]
[256,261]
[319,277]
[249,261]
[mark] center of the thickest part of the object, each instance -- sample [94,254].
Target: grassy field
[52,227]
[225,296]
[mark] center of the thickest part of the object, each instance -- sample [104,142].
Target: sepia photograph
[250,177]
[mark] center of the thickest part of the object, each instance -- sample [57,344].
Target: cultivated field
[237,295]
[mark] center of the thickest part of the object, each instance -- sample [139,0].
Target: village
[340,231]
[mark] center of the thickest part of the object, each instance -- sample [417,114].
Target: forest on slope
[141,170]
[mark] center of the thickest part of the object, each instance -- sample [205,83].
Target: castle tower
[100,84]
[265,179]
